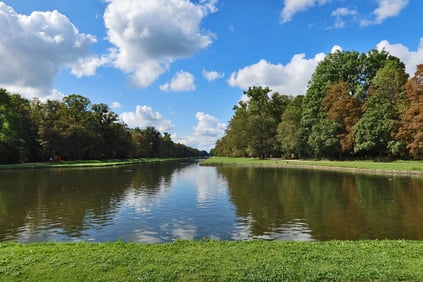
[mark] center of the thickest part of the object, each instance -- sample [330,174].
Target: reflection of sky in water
[195,207]
[157,204]
[193,204]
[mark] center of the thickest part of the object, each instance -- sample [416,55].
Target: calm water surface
[157,203]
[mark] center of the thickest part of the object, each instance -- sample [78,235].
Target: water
[156,203]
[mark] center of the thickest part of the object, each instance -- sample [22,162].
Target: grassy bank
[92,163]
[396,167]
[211,261]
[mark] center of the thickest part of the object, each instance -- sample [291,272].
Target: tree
[336,67]
[18,132]
[234,143]
[345,109]
[262,125]
[288,128]
[147,142]
[373,131]
[9,140]
[411,123]
[166,145]
[376,129]
[110,135]
[357,70]
[75,119]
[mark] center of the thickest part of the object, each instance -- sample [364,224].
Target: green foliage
[356,106]
[74,129]
[375,130]
[289,127]
[323,140]
[17,129]
[253,129]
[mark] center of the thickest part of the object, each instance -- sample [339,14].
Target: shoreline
[86,164]
[350,167]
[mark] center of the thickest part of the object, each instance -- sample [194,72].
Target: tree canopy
[356,106]
[75,129]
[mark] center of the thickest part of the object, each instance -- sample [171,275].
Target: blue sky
[181,65]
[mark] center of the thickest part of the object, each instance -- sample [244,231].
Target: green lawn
[412,167]
[214,261]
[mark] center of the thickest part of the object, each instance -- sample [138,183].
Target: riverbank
[373,167]
[213,261]
[87,164]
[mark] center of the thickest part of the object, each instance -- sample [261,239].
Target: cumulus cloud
[87,66]
[410,58]
[212,75]
[34,47]
[182,81]
[150,34]
[290,79]
[145,116]
[205,134]
[291,7]
[386,9]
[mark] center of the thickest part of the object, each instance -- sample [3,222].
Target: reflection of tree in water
[334,205]
[149,178]
[66,199]
[266,195]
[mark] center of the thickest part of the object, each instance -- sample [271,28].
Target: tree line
[357,106]
[75,129]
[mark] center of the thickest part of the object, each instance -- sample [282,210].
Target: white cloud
[342,12]
[389,8]
[205,134]
[291,7]
[212,75]
[410,58]
[182,81]
[340,15]
[116,105]
[150,34]
[335,48]
[386,9]
[145,116]
[290,79]
[34,47]
[87,66]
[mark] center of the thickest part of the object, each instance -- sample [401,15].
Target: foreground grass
[405,167]
[91,163]
[213,260]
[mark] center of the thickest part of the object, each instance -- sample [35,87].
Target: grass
[213,261]
[404,167]
[91,163]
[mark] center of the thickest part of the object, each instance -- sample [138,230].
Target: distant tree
[166,145]
[234,143]
[288,128]
[264,115]
[147,142]
[112,139]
